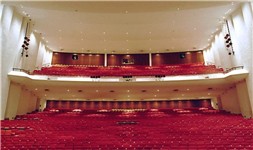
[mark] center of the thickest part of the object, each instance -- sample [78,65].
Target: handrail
[233,68]
[21,70]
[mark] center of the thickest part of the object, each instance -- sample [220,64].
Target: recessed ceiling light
[155,95]
[45,94]
[127,40]
[208,93]
[103,32]
[128,90]
[178,8]
[126,12]
[82,39]
[187,89]
[126,32]
[157,90]
[59,30]
[149,32]
[128,95]
[96,90]
[195,28]
[36,89]
[67,90]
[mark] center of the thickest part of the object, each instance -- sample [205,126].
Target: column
[150,59]
[105,61]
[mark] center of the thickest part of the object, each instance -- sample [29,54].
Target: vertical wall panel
[83,59]
[96,105]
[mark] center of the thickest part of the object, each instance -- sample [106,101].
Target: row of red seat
[153,129]
[184,69]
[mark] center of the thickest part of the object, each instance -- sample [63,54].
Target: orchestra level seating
[128,129]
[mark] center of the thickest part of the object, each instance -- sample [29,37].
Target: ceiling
[126,26]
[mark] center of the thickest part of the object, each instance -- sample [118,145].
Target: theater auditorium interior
[126,75]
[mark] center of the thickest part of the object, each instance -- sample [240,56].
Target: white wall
[27,102]
[11,27]
[12,37]
[44,56]
[47,58]
[43,103]
[214,103]
[229,100]
[13,100]
[244,101]
[240,25]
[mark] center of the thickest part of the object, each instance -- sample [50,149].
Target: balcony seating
[156,129]
[168,70]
